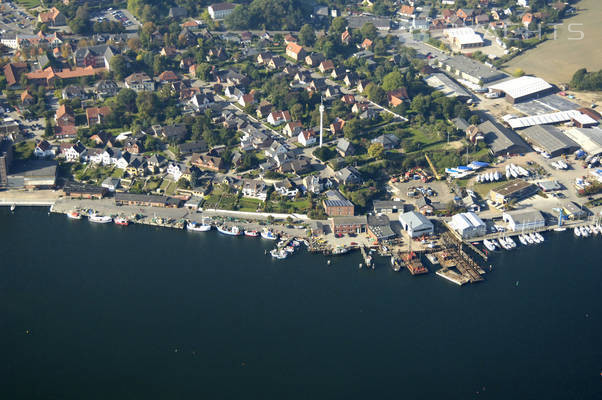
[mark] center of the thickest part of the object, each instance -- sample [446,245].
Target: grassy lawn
[171,188]
[29,3]
[246,204]
[152,184]
[484,188]
[24,150]
[118,173]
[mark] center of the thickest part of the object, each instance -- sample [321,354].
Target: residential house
[424,206]
[346,37]
[102,139]
[170,132]
[336,127]
[388,140]
[26,98]
[286,188]
[140,82]
[106,88]
[407,12]
[96,115]
[292,128]
[13,72]
[276,62]
[276,118]
[74,92]
[206,161]
[359,108]
[156,163]
[178,171]
[294,51]
[332,92]
[196,146]
[302,77]
[314,59]
[264,57]
[296,166]
[307,137]
[43,149]
[74,152]
[233,92]
[201,101]
[167,77]
[264,109]
[64,116]
[348,176]
[350,79]
[133,146]
[65,131]
[366,44]
[136,166]
[325,66]
[246,100]
[348,99]
[345,148]
[397,96]
[255,189]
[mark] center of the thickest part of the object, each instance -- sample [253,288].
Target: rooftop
[521,87]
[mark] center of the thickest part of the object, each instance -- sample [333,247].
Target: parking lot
[124,16]
[14,18]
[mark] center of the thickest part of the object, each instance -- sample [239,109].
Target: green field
[29,3]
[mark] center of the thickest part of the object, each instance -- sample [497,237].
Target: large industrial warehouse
[549,139]
[501,140]
[590,140]
[523,88]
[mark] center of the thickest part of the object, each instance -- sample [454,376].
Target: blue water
[101,311]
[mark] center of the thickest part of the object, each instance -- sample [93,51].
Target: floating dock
[453,276]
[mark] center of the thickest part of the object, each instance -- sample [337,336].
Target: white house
[110,156]
[123,161]
[285,188]
[76,152]
[201,101]
[220,11]
[276,149]
[279,117]
[307,138]
[255,189]
[43,150]
[175,170]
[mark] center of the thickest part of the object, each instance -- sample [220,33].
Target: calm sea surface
[107,312]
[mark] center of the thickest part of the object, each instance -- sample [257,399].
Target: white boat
[577,231]
[279,254]
[508,174]
[234,231]
[100,219]
[528,239]
[121,221]
[511,243]
[269,235]
[74,215]
[588,229]
[251,233]
[594,230]
[496,176]
[521,238]
[584,231]
[489,245]
[559,229]
[12,207]
[540,237]
[197,227]
[533,237]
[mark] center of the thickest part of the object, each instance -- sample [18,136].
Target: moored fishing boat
[198,227]
[234,231]
[100,219]
[122,221]
[269,235]
[74,215]
[251,233]
[279,254]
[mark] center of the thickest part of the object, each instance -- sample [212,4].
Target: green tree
[376,150]
[48,130]
[369,31]
[393,80]
[375,93]
[119,66]
[337,26]
[126,100]
[352,129]
[307,36]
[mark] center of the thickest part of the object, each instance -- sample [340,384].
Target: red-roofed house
[64,116]
[52,17]
[279,117]
[366,44]
[345,37]
[96,115]
[406,11]
[307,137]
[326,65]
[294,51]
[397,96]
[13,72]
[336,126]
[246,99]
[167,76]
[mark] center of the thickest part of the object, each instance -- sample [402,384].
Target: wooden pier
[456,256]
[367,257]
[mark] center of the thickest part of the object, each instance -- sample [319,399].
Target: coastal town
[393,128]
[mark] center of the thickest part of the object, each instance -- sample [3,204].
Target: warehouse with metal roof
[523,88]
[470,70]
[448,87]
[502,140]
[468,225]
[581,120]
[590,140]
[550,139]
